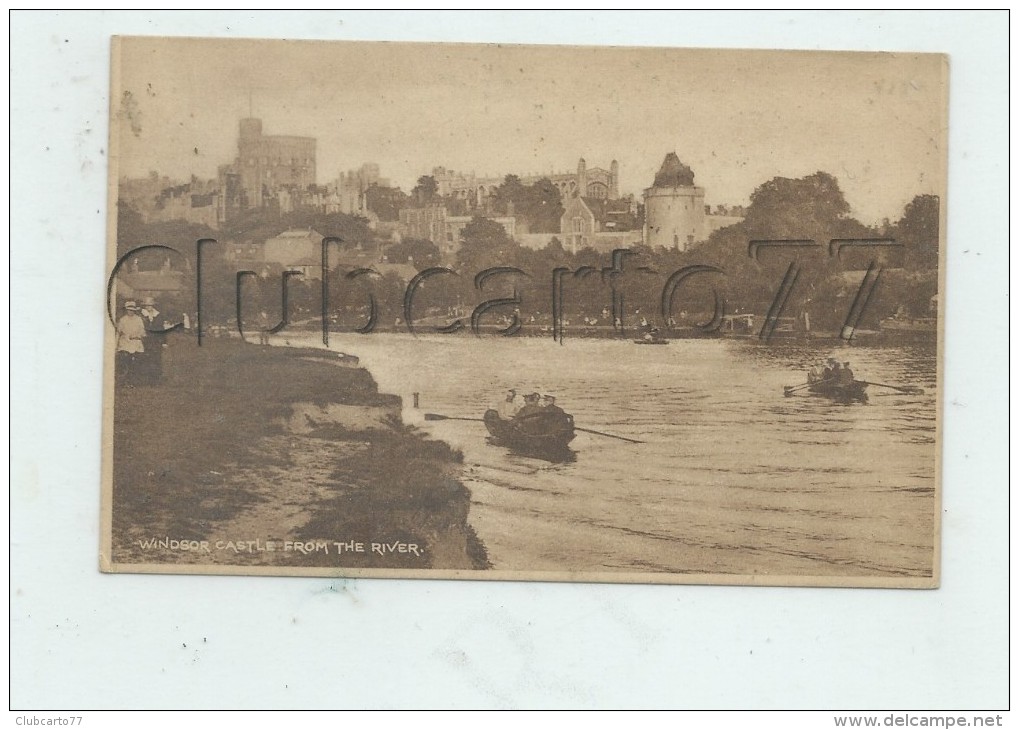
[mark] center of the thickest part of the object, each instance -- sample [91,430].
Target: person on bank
[155,341]
[130,344]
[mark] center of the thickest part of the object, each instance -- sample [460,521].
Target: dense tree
[485,243]
[132,232]
[918,231]
[510,191]
[544,207]
[386,202]
[426,190]
[812,208]
[539,204]
[423,252]
[129,228]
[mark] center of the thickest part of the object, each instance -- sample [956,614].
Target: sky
[737,118]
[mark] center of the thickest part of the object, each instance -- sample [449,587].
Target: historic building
[433,223]
[598,223]
[722,216]
[593,182]
[298,250]
[266,165]
[428,223]
[158,198]
[350,186]
[674,207]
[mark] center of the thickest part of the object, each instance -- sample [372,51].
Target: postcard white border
[247,642]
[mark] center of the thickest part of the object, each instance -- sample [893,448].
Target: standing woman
[130,345]
[153,358]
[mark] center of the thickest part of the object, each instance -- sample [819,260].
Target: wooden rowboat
[855,390]
[540,431]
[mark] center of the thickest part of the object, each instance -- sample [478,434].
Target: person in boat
[815,373]
[846,376]
[548,403]
[509,407]
[531,405]
[829,372]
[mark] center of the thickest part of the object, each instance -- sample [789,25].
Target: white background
[81,640]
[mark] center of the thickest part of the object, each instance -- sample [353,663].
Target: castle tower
[268,164]
[614,181]
[251,129]
[673,207]
[248,158]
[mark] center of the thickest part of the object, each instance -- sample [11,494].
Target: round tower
[251,129]
[673,207]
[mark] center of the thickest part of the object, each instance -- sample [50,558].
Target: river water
[734,477]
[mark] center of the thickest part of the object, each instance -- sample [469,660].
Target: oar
[909,389]
[440,417]
[610,435]
[790,389]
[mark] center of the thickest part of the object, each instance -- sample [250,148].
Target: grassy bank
[248,451]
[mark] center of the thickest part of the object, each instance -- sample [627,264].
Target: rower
[509,407]
[548,403]
[530,405]
[846,375]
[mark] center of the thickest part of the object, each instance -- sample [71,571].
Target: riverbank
[280,457]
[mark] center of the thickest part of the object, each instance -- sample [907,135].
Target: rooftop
[673,173]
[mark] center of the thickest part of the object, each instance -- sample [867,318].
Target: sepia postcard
[509,312]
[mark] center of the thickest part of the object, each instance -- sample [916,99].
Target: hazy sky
[737,118]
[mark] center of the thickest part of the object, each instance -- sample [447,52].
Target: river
[734,478]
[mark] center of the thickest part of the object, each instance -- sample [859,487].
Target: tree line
[734,274]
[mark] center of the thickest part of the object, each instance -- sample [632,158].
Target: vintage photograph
[509,312]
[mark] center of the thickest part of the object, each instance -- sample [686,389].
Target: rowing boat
[854,390]
[543,430]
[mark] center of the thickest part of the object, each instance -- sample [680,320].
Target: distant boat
[651,337]
[541,431]
[845,392]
